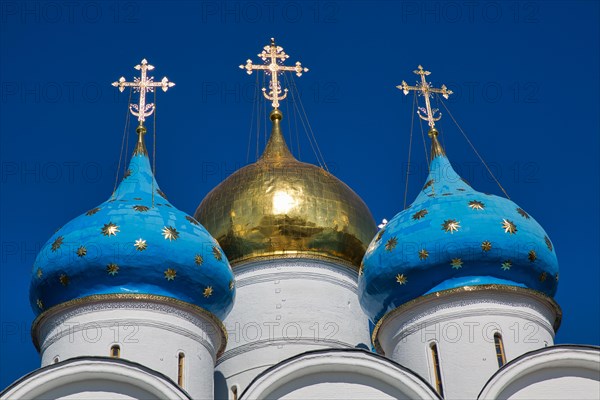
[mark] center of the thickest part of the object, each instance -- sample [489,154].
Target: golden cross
[425,89]
[143,85]
[277,56]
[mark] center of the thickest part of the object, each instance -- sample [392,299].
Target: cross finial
[426,113]
[143,84]
[274,56]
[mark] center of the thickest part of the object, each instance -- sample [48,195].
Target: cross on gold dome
[427,114]
[143,85]
[277,56]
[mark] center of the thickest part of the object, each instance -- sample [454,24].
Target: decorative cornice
[261,344]
[302,262]
[287,275]
[126,297]
[291,254]
[284,271]
[554,307]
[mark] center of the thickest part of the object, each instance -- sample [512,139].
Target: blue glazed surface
[446,196]
[139,272]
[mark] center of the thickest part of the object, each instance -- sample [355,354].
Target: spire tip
[140,147]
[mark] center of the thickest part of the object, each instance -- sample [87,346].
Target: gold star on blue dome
[57,243]
[391,243]
[170,233]
[140,244]
[486,245]
[419,214]
[64,279]
[401,279]
[81,251]
[509,227]
[451,225]
[532,256]
[456,263]
[523,213]
[476,205]
[170,274]
[217,253]
[160,192]
[110,229]
[548,242]
[112,269]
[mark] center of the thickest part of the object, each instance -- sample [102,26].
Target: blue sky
[525,76]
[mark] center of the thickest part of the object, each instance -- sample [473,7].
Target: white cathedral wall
[149,333]
[462,326]
[553,373]
[285,307]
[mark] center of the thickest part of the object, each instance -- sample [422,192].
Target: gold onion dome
[281,207]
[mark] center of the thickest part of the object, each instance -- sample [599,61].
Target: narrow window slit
[180,367]
[437,370]
[500,356]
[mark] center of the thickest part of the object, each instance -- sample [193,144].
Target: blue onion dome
[453,236]
[136,242]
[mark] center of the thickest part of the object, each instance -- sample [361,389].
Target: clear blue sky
[525,76]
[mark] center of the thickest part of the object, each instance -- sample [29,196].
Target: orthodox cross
[143,85]
[277,56]
[427,114]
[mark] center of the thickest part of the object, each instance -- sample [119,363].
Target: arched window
[56,359]
[436,369]
[234,392]
[115,351]
[500,356]
[180,366]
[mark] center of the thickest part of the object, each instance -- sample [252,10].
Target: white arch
[92,377]
[557,372]
[338,373]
